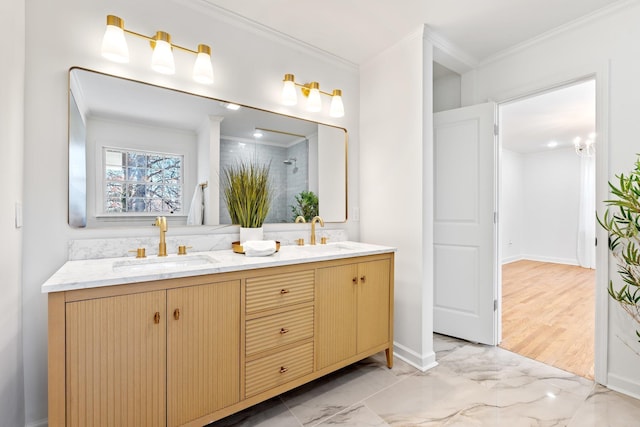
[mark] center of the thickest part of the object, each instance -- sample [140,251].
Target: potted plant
[622,221]
[247,194]
[306,206]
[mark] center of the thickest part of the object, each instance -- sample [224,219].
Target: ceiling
[356,30]
[561,115]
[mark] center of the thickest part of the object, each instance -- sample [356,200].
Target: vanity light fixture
[114,48]
[312,92]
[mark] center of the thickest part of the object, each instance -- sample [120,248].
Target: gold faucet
[161,222]
[300,218]
[313,228]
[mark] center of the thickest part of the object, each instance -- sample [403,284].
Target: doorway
[547,230]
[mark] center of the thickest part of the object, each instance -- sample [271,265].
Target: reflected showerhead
[291,161]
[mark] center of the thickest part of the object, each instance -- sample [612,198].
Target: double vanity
[189,339]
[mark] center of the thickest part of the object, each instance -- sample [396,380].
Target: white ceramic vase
[251,234]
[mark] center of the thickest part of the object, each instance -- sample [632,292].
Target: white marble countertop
[92,273]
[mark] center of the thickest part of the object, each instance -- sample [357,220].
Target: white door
[465,273]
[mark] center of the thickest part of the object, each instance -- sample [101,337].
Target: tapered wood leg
[389,353]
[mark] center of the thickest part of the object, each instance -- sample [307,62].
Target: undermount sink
[157,263]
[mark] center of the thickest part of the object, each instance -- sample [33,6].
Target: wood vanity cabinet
[191,351]
[353,311]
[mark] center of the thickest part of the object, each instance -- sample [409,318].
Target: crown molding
[449,54]
[576,23]
[262,30]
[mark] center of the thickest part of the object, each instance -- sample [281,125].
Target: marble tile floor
[473,385]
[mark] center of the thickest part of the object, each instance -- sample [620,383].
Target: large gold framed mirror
[138,150]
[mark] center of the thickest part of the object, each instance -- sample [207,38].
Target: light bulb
[202,69]
[337,107]
[114,45]
[162,57]
[289,96]
[314,102]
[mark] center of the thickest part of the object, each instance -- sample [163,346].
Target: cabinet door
[203,350]
[373,304]
[336,292]
[115,363]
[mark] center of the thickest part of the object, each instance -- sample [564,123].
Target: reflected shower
[291,161]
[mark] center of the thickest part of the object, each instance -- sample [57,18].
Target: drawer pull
[284,291]
[176,314]
[363,278]
[156,317]
[283,331]
[355,280]
[283,369]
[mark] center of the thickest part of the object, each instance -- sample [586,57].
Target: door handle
[156,317]
[176,314]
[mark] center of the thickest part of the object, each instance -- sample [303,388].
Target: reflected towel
[196,210]
[259,247]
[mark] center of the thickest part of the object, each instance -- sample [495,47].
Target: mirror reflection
[137,151]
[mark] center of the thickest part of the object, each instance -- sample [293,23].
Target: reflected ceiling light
[233,107]
[114,48]
[552,144]
[312,92]
[257,133]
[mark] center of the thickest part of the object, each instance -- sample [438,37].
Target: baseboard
[39,423]
[623,385]
[423,363]
[542,258]
[509,260]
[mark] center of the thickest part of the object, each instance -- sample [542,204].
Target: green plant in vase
[622,221]
[247,194]
[306,206]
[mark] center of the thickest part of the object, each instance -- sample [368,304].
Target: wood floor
[548,313]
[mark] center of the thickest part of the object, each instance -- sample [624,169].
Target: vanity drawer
[269,332]
[279,368]
[278,290]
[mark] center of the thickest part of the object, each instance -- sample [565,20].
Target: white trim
[600,71]
[579,22]
[448,54]
[624,386]
[421,362]
[266,32]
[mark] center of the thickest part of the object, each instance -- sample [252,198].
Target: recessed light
[257,134]
[233,107]
[552,144]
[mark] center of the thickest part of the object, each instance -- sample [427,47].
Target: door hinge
[495,217]
[495,305]
[495,129]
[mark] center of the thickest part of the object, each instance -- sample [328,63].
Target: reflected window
[139,182]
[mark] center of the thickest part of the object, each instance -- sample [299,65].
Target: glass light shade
[337,107]
[162,57]
[202,69]
[114,45]
[289,96]
[314,102]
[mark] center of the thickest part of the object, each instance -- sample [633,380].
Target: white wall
[512,197]
[540,206]
[551,206]
[12,137]
[248,64]
[446,93]
[608,48]
[396,190]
